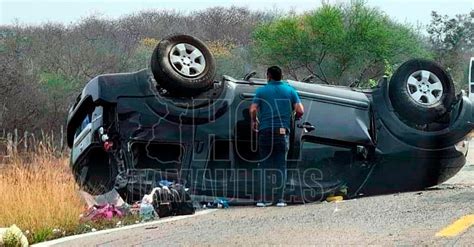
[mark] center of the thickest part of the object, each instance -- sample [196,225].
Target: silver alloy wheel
[187,60]
[424,87]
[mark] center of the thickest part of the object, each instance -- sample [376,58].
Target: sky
[35,12]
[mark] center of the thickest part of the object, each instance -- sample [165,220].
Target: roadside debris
[134,209]
[338,196]
[101,212]
[334,198]
[167,199]
[111,197]
[104,207]
[147,211]
[13,236]
[217,203]
[172,199]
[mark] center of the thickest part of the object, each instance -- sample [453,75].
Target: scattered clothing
[168,199]
[218,203]
[101,212]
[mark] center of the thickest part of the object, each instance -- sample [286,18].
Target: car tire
[183,65]
[421,92]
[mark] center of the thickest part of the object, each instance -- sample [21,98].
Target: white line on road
[157,222]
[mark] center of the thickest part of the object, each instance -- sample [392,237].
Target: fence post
[9,145]
[33,143]
[15,144]
[52,141]
[43,141]
[25,140]
[61,144]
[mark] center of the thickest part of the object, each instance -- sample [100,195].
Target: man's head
[274,73]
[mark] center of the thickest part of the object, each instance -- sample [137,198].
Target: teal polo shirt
[275,104]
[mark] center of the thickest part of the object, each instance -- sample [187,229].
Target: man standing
[275,104]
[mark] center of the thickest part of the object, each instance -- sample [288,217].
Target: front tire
[421,92]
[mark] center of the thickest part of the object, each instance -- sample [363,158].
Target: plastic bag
[147,211]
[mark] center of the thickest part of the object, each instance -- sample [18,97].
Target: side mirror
[308,79]
[250,75]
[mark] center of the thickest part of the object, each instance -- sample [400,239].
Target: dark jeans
[273,149]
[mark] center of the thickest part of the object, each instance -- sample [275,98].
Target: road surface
[438,216]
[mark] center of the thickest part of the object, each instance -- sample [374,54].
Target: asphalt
[413,218]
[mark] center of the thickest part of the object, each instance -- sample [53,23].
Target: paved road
[401,219]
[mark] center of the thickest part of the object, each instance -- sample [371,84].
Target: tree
[44,67]
[452,41]
[231,60]
[336,43]
[21,101]
[233,24]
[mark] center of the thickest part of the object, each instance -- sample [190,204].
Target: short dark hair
[274,72]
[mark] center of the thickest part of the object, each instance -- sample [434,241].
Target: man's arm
[297,105]
[299,110]
[254,109]
[253,116]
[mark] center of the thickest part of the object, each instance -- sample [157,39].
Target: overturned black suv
[175,122]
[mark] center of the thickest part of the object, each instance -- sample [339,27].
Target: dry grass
[38,194]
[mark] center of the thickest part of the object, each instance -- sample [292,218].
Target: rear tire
[421,92]
[183,65]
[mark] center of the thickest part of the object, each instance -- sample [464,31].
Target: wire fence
[16,142]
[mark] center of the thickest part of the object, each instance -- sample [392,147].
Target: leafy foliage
[337,43]
[452,40]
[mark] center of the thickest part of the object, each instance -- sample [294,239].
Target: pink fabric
[99,212]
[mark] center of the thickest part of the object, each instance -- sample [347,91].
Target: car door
[326,142]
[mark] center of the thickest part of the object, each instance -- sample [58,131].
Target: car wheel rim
[187,60]
[425,88]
